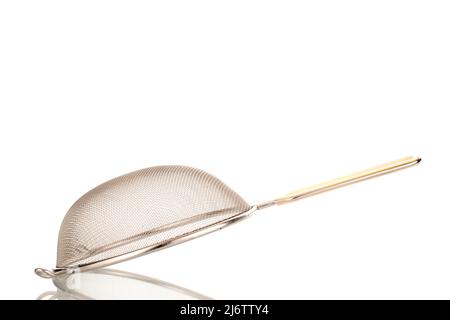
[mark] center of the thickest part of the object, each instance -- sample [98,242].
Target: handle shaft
[348,179]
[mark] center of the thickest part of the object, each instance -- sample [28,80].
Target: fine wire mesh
[143,208]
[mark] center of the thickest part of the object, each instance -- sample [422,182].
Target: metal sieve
[154,208]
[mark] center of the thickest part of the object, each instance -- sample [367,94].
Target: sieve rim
[45,273]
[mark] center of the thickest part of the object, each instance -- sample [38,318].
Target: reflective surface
[108,284]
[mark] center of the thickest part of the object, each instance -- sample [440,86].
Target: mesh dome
[141,209]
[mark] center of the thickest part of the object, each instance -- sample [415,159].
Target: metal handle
[343,181]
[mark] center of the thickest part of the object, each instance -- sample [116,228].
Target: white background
[269,96]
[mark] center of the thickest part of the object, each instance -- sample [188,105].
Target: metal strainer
[157,207]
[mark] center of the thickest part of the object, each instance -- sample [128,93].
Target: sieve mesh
[141,209]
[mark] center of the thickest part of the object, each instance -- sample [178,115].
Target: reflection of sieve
[153,208]
[108,284]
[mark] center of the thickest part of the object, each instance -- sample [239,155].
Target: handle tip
[413,160]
